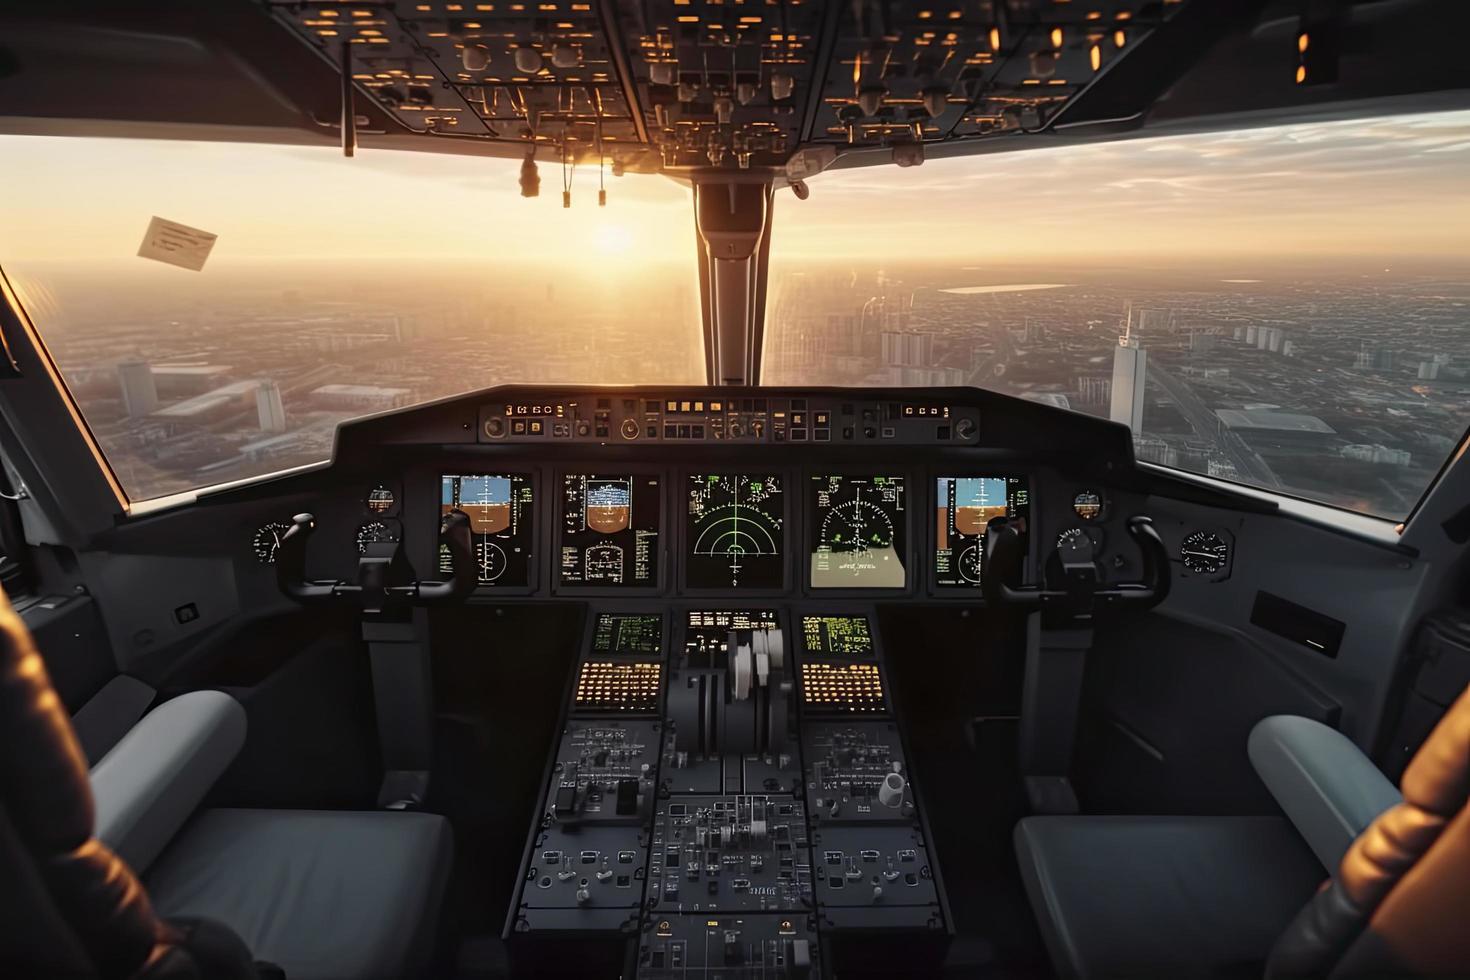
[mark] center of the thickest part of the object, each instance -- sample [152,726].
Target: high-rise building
[1155,450]
[1155,322]
[1094,390]
[139,393]
[1130,362]
[907,349]
[269,408]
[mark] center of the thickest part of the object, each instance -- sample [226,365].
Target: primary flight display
[501,509]
[610,530]
[735,528]
[963,506]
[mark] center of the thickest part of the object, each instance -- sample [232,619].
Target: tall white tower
[269,408]
[139,392]
[1129,365]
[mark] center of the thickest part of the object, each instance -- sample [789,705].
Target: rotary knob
[965,428]
[629,429]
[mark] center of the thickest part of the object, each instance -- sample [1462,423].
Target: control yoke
[373,589]
[1081,592]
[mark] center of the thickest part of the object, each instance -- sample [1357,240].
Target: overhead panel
[530,73]
[681,85]
[722,84]
[921,72]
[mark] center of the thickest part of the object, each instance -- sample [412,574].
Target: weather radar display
[859,524]
[610,527]
[500,510]
[963,506]
[736,531]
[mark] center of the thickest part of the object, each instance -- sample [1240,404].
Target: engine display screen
[859,532]
[628,633]
[501,509]
[845,636]
[736,526]
[963,506]
[610,530]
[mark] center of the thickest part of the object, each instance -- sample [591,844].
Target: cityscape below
[1344,384]
[1347,384]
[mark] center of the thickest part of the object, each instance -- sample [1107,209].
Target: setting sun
[613,239]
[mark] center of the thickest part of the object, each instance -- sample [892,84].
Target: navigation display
[736,528]
[859,532]
[501,510]
[963,506]
[610,528]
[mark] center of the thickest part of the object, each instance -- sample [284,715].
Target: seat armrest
[154,778]
[1328,788]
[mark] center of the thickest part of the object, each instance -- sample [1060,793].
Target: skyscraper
[269,408]
[139,393]
[1129,364]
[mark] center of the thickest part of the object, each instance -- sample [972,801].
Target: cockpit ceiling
[704,83]
[680,86]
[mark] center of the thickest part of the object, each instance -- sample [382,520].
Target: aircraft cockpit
[734,489]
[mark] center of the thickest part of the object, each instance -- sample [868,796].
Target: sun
[613,239]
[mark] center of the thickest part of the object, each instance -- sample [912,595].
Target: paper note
[176,244]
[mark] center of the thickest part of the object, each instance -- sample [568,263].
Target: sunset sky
[1389,186]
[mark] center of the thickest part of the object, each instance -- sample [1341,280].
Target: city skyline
[1357,187]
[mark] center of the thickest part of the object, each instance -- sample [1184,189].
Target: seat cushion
[322,894]
[1163,896]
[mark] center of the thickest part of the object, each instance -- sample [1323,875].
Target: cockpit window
[334,288]
[1284,307]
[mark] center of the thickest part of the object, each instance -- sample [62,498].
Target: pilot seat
[308,894]
[1186,896]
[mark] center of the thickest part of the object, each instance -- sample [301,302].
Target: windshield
[334,288]
[1282,307]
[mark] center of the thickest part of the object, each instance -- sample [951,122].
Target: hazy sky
[1375,187]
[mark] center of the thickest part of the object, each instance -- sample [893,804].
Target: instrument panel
[761,493]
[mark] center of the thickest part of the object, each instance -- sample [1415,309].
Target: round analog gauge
[376,532]
[380,499]
[1076,544]
[1204,552]
[267,541]
[1088,505]
[1070,538]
